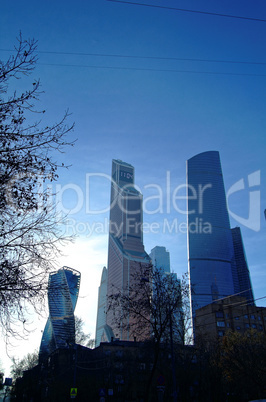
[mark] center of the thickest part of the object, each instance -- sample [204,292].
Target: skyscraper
[101,310]
[59,332]
[160,258]
[125,250]
[212,268]
[245,286]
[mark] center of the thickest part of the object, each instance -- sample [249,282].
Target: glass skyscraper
[125,250]
[212,268]
[245,286]
[160,258]
[59,332]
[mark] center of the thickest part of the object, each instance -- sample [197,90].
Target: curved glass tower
[212,268]
[245,285]
[59,332]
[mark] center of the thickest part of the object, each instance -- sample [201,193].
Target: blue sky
[118,69]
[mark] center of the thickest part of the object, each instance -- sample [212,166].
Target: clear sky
[152,86]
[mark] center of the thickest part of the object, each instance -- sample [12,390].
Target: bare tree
[152,298]
[30,228]
[26,363]
[154,306]
[81,337]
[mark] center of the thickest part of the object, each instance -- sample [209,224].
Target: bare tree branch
[31,232]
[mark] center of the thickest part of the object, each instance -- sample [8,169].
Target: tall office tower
[212,269]
[63,290]
[101,310]
[160,258]
[245,286]
[126,252]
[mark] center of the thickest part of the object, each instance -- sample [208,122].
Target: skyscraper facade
[245,286]
[160,258]
[101,310]
[125,249]
[212,268]
[63,290]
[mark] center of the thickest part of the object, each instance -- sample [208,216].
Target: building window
[220,333]
[119,379]
[259,317]
[252,317]
[227,315]
[254,326]
[228,325]
[220,324]
[219,314]
[237,318]
[260,327]
[247,325]
[246,316]
[118,365]
[238,328]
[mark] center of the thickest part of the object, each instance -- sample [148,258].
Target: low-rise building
[232,313]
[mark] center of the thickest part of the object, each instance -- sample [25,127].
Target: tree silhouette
[242,361]
[30,229]
[153,307]
[81,337]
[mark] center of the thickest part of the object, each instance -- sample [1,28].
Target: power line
[157,58]
[235,294]
[152,69]
[231,319]
[189,10]
[127,56]
[243,303]
[234,304]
